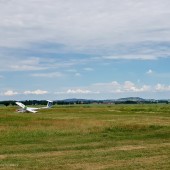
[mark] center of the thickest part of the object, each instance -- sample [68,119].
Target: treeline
[44,102]
[78,101]
[7,103]
[26,102]
[142,102]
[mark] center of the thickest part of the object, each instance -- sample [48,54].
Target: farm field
[90,137]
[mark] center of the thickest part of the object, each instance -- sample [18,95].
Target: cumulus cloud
[109,88]
[78,91]
[161,87]
[131,87]
[10,93]
[115,87]
[14,93]
[36,92]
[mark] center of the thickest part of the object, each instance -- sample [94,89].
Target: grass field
[118,137]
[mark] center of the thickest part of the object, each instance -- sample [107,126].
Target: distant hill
[75,100]
[135,99]
[128,99]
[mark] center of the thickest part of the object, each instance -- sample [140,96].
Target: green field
[118,137]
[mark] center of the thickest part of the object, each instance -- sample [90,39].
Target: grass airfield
[91,137]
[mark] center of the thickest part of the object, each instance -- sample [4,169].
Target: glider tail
[49,104]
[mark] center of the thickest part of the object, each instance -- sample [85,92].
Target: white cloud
[14,93]
[132,57]
[115,87]
[10,93]
[149,71]
[88,69]
[162,87]
[78,91]
[109,88]
[24,63]
[10,63]
[36,92]
[48,75]
[113,83]
[131,87]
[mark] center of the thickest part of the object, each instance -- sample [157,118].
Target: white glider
[32,109]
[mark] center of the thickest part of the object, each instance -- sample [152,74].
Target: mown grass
[86,137]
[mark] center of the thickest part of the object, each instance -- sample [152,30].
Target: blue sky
[93,49]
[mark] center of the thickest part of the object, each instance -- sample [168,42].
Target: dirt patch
[2,157]
[129,147]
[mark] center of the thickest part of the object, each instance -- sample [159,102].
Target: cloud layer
[14,93]
[88,26]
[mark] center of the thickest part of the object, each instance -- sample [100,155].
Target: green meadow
[90,137]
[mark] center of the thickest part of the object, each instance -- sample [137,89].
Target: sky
[93,49]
